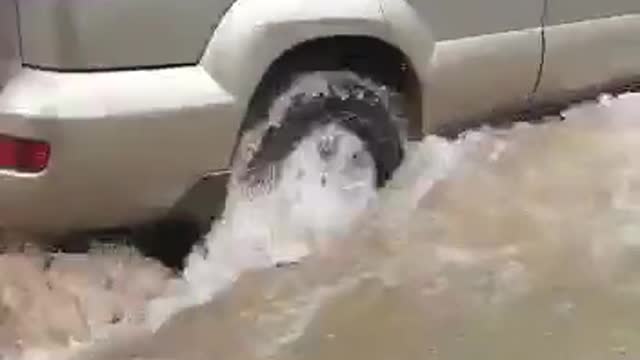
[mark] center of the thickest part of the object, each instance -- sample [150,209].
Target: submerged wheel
[336,126]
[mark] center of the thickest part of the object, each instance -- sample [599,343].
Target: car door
[568,11]
[486,58]
[460,18]
[108,34]
[591,46]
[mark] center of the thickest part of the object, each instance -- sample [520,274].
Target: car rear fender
[254,33]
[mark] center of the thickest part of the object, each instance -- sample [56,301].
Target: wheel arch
[343,52]
[256,39]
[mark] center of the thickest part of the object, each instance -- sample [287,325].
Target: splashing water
[513,243]
[315,202]
[516,243]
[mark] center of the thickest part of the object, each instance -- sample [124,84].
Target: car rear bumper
[125,146]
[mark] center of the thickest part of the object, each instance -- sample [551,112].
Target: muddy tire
[371,111]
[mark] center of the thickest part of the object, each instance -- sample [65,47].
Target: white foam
[314,203]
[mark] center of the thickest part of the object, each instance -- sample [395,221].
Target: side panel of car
[590,44]
[9,50]
[487,57]
[481,76]
[459,19]
[81,34]
[568,11]
[488,76]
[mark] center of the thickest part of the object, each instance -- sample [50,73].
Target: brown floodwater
[519,243]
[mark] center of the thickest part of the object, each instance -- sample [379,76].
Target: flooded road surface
[521,243]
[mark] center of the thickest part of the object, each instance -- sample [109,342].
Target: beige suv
[115,113]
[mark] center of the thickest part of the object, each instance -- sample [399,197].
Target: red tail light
[24,155]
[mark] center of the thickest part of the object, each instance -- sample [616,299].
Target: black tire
[371,111]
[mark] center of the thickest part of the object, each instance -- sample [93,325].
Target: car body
[139,103]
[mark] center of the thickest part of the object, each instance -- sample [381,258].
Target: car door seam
[19,30]
[543,49]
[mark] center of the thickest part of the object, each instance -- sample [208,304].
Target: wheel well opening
[366,56]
